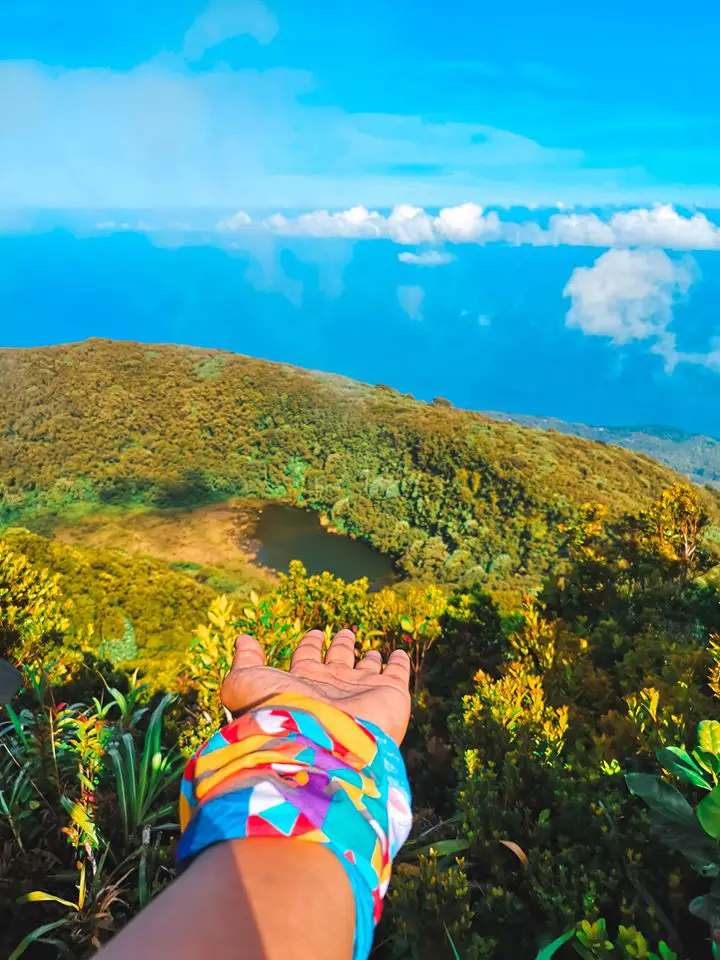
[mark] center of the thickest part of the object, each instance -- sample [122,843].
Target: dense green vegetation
[560,606]
[696,456]
[564,751]
[109,589]
[451,495]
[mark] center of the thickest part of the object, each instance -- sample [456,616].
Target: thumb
[248,653]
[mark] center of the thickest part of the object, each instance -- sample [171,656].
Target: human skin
[262,898]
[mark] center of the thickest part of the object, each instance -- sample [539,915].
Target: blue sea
[486,331]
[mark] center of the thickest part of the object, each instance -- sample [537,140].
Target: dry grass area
[207,541]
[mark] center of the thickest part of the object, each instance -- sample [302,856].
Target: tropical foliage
[451,495]
[564,750]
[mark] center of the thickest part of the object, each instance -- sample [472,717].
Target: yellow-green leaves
[39,895]
[79,816]
[708,736]
[683,765]
[31,606]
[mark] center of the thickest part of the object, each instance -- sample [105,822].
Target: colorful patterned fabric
[295,767]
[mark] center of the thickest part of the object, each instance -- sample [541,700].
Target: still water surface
[290,533]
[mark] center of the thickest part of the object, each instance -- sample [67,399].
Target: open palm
[363,688]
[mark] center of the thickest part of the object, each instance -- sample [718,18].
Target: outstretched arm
[259,899]
[271,897]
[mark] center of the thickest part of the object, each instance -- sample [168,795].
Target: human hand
[363,689]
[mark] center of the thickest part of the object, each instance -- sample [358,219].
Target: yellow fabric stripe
[221,756]
[235,766]
[340,725]
[185,812]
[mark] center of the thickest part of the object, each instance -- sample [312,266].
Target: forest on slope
[564,753]
[449,494]
[697,456]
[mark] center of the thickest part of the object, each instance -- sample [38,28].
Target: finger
[341,652]
[371,662]
[398,666]
[248,653]
[309,648]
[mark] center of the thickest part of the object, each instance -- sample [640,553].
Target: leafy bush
[537,726]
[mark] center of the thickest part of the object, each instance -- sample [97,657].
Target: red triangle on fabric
[302,825]
[259,827]
[189,773]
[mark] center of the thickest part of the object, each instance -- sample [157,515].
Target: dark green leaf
[456,955]
[660,797]
[551,949]
[443,848]
[36,934]
[707,907]
[698,849]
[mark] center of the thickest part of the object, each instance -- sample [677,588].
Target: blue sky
[513,206]
[300,104]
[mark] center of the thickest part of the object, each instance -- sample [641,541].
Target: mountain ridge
[695,455]
[449,494]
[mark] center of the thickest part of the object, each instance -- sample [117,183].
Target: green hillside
[696,456]
[558,812]
[449,494]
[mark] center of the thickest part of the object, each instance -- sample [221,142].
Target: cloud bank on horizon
[661,226]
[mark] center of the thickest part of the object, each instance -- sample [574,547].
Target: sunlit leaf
[37,896]
[708,813]
[708,736]
[678,761]
[517,850]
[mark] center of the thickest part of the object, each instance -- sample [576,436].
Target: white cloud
[663,226]
[356,223]
[411,297]
[225,19]
[712,358]
[578,229]
[466,223]
[660,226]
[427,258]
[238,221]
[628,295]
[409,225]
[406,224]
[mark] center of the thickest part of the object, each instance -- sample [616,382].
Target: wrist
[297,769]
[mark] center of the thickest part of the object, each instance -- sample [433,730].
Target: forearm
[255,899]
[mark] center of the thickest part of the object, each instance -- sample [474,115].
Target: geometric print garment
[294,767]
